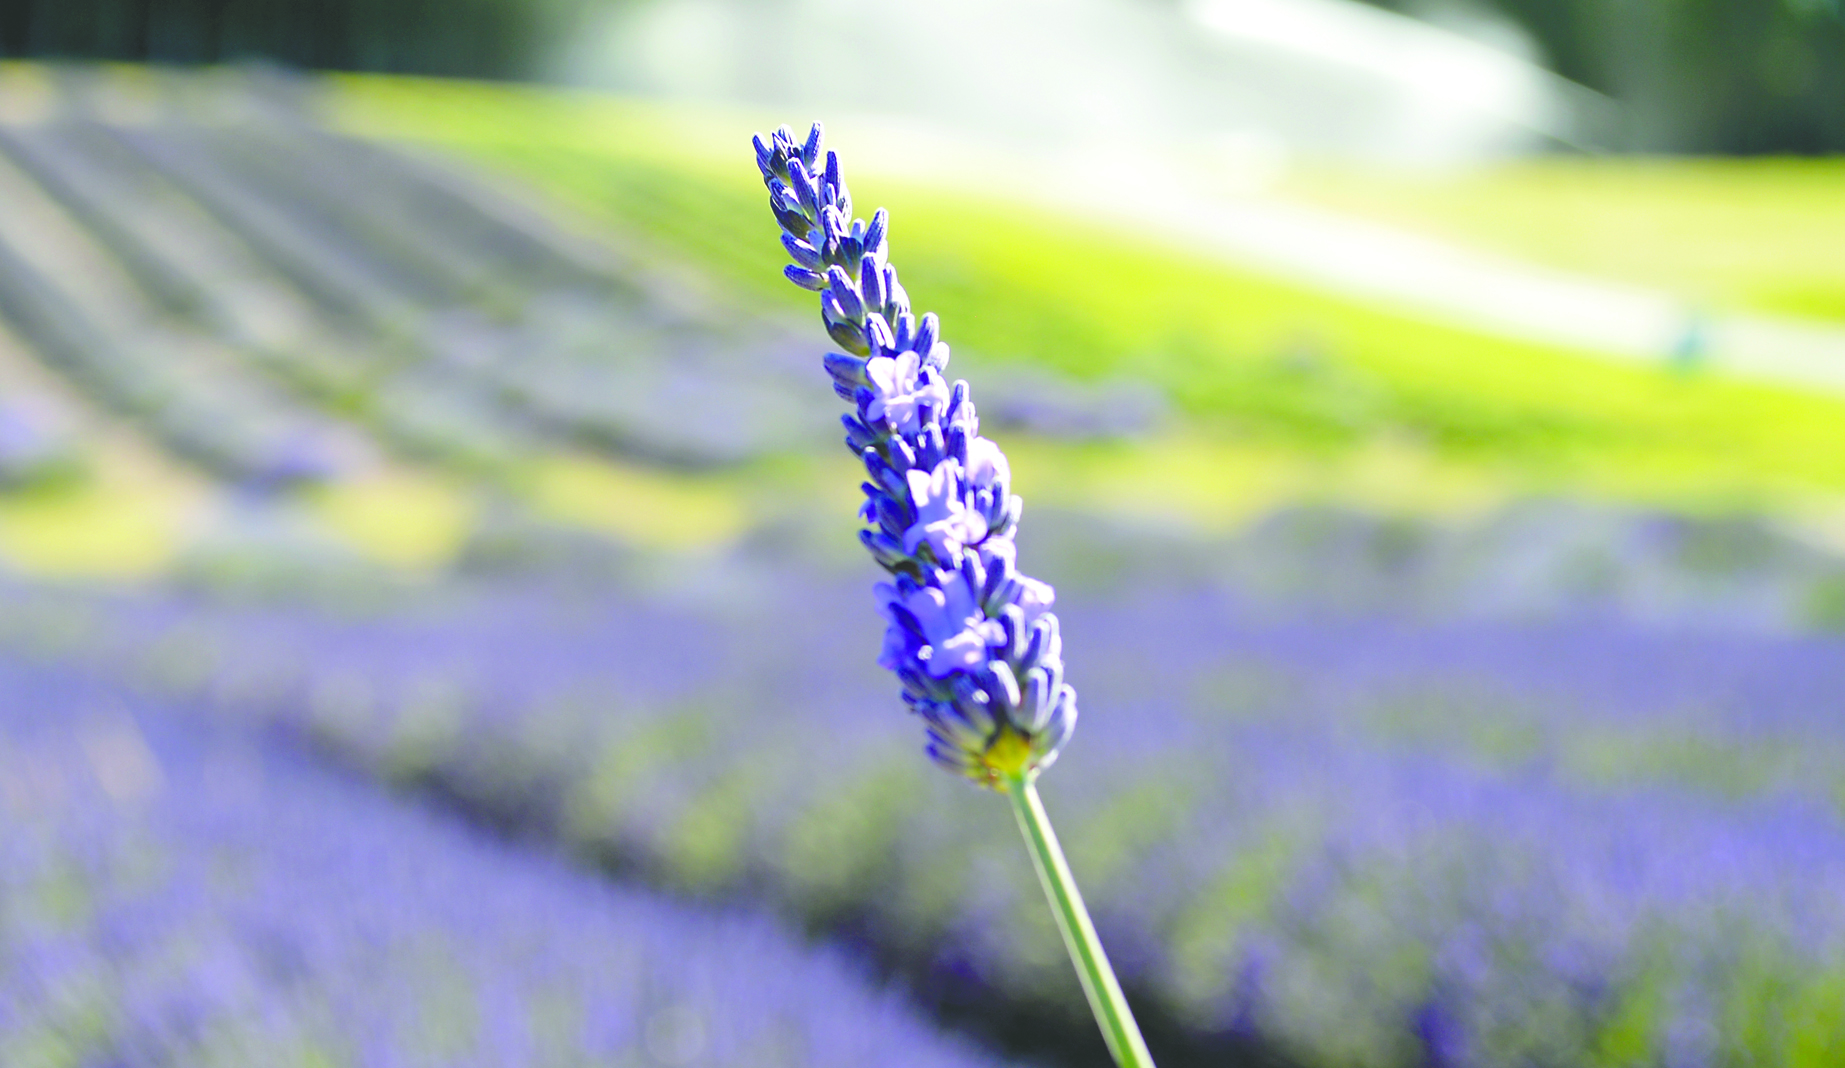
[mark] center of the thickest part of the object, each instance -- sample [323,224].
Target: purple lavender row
[1481,843]
[971,638]
[173,895]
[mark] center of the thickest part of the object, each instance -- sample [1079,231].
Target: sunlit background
[432,628]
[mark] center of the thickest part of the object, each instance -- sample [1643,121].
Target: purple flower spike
[901,390]
[944,522]
[973,640]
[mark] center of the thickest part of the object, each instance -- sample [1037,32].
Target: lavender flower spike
[973,641]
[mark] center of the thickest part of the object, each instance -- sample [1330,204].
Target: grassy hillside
[1281,385]
[1754,233]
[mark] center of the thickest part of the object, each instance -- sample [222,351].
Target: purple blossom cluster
[971,638]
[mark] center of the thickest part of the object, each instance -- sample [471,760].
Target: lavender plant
[972,639]
[175,891]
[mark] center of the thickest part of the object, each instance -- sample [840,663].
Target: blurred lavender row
[1348,839]
[174,893]
[277,302]
[198,253]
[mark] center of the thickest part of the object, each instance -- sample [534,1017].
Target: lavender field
[1352,839]
[179,893]
[430,635]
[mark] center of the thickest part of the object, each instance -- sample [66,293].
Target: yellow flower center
[1006,756]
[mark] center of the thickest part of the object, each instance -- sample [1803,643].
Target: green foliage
[597,805]
[1493,728]
[1487,727]
[1733,76]
[839,847]
[1105,845]
[1757,234]
[1825,604]
[1720,765]
[1629,1035]
[1244,893]
[475,38]
[1704,75]
[704,850]
[427,730]
[1784,1013]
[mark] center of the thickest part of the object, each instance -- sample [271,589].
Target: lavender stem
[1110,1006]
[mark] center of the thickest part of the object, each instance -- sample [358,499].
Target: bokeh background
[432,630]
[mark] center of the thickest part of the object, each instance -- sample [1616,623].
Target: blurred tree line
[1724,76]
[1735,76]
[463,38]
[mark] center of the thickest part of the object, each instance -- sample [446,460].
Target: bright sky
[1319,76]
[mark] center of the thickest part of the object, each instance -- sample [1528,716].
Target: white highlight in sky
[1202,77]
[1438,70]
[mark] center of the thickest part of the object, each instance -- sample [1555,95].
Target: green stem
[1104,993]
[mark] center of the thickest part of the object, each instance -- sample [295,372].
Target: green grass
[1725,233]
[409,520]
[1271,376]
[91,530]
